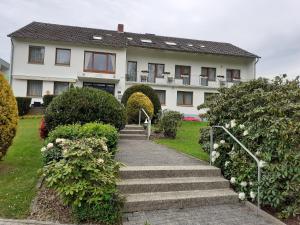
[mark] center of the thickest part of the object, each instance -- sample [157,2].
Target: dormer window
[129,38]
[202,46]
[96,37]
[190,45]
[170,43]
[146,41]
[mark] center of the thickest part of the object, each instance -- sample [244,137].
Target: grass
[186,140]
[18,170]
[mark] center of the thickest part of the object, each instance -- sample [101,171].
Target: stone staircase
[163,187]
[133,132]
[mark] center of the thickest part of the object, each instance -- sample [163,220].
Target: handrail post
[211,143]
[258,186]
[140,111]
[149,129]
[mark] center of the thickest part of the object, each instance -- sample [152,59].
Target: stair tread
[141,135]
[173,180]
[132,130]
[168,168]
[177,195]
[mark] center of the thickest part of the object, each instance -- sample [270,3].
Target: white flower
[251,183]
[100,160]
[262,164]
[257,153]
[213,159]
[60,140]
[252,194]
[43,149]
[227,163]
[232,180]
[217,155]
[242,196]
[232,148]
[241,126]
[222,142]
[227,125]
[245,133]
[232,123]
[213,153]
[50,145]
[243,183]
[216,146]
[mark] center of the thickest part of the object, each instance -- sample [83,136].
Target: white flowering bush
[265,116]
[85,178]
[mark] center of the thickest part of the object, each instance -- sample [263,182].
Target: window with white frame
[60,87]
[34,88]
[161,96]
[184,98]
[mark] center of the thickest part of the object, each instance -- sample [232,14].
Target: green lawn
[187,140]
[18,170]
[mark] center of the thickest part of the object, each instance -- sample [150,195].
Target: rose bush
[265,116]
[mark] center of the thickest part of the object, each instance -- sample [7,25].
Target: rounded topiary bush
[146,90]
[135,102]
[83,105]
[8,116]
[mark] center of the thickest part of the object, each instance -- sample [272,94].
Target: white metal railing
[246,149]
[148,120]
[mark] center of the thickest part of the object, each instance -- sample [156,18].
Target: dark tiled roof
[82,35]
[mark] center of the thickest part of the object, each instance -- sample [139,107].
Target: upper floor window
[209,73]
[155,71]
[131,71]
[233,74]
[99,62]
[161,96]
[63,56]
[60,87]
[36,54]
[184,73]
[184,98]
[34,88]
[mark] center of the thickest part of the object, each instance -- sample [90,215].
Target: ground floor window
[161,96]
[34,88]
[110,88]
[60,87]
[184,98]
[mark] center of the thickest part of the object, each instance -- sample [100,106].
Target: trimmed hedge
[84,105]
[169,123]
[146,90]
[47,99]
[135,102]
[23,105]
[8,116]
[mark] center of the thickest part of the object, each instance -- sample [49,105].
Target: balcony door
[155,70]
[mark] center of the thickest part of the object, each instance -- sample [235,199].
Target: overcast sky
[268,28]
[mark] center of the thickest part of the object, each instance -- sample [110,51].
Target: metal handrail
[148,121]
[246,149]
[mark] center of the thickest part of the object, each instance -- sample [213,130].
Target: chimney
[121,28]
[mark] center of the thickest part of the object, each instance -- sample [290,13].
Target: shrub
[47,99]
[137,101]
[169,122]
[76,131]
[8,116]
[146,90]
[43,130]
[264,115]
[23,105]
[86,180]
[83,105]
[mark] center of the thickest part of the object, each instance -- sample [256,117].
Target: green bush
[264,115]
[137,101]
[83,105]
[47,99]
[146,90]
[85,178]
[23,105]
[8,116]
[76,131]
[169,123]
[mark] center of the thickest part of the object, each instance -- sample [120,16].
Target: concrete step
[133,136]
[132,131]
[133,127]
[178,199]
[137,172]
[130,186]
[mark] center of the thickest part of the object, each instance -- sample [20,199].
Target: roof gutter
[256,61]
[11,61]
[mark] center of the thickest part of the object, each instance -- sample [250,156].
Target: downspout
[11,61]
[256,61]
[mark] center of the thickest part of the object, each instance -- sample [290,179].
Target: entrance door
[110,88]
[155,70]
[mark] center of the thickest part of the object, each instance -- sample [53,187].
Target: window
[34,88]
[184,73]
[110,88]
[155,70]
[36,54]
[60,87]
[161,96]
[184,98]
[233,74]
[131,71]
[63,56]
[99,62]
[209,73]
[209,96]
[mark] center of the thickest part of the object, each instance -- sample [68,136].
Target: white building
[4,68]
[47,58]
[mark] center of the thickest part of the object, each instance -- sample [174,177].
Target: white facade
[49,72]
